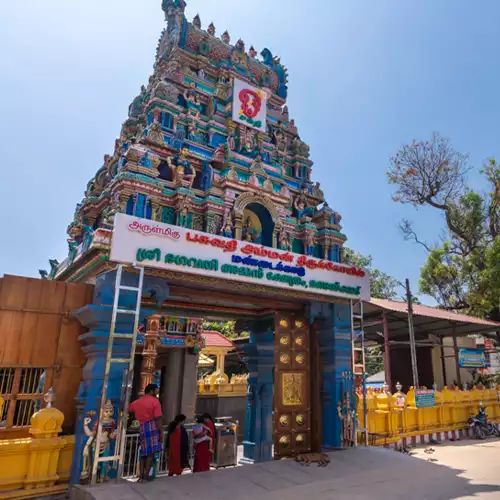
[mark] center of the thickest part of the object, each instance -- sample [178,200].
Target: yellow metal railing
[39,465]
[393,416]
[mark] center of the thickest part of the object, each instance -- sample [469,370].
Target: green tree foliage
[462,271]
[227,328]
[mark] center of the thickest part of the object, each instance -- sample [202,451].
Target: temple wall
[39,347]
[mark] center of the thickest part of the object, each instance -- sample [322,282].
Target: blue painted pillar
[333,333]
[259,356]
[96,318]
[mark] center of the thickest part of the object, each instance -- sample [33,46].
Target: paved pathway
[373,473]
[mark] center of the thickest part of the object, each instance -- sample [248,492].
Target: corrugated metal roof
[432,312]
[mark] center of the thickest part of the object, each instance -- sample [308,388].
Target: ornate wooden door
[292,407]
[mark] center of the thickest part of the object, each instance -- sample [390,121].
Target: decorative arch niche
[261,212]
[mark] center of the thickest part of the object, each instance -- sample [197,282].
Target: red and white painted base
[440,437]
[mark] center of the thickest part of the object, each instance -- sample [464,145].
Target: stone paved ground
[463,470]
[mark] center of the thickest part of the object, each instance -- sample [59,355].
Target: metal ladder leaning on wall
[117,458]
[359,363]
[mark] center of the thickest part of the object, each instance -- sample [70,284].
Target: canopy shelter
[386,322]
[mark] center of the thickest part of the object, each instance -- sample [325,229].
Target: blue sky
[365,76]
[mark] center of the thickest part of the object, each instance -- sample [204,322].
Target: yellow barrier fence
[40,465]
[389,419]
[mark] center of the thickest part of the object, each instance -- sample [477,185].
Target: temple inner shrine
[209,188]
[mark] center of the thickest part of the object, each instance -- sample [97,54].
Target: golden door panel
[292,417]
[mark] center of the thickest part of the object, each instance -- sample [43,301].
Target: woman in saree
[203,437]
[177,444]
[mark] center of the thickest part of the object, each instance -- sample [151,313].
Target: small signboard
[471,358]
[424,398]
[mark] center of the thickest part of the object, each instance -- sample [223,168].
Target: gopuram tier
[208,145]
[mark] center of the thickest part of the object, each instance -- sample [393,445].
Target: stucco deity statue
[309,244]
[192,101]
[317,192]
[183,217]
[182,170]
[72,246]
[301,205]
[284,240]
[227,226]
[108,434]
[248,142]
[222,89]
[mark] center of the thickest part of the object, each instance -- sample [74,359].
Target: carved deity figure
[317,192]
[108,434]
[184,217]
[280,140]
[284,240]
[220,153]
[301,205]
[222,88]
[227,225]
[238,55]
[309,244]
[72,246]
[137,106]
[87,236]
[192,101]
[228,229]
[182,170]
[248,142]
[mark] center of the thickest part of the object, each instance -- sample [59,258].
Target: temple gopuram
[187,156]
[209,189]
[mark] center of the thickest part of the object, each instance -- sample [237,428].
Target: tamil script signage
[174,248]
[471,358]
[249,105]
[424,398]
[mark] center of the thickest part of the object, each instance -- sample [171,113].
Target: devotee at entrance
[147,411]
[178,446]
[203,437]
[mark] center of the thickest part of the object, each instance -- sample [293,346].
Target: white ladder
[359,363]
[128,375]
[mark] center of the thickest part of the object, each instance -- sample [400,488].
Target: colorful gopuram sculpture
[208,145]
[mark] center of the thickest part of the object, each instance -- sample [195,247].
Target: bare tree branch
[405,226]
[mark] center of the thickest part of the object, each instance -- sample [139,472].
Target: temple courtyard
[463,469]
